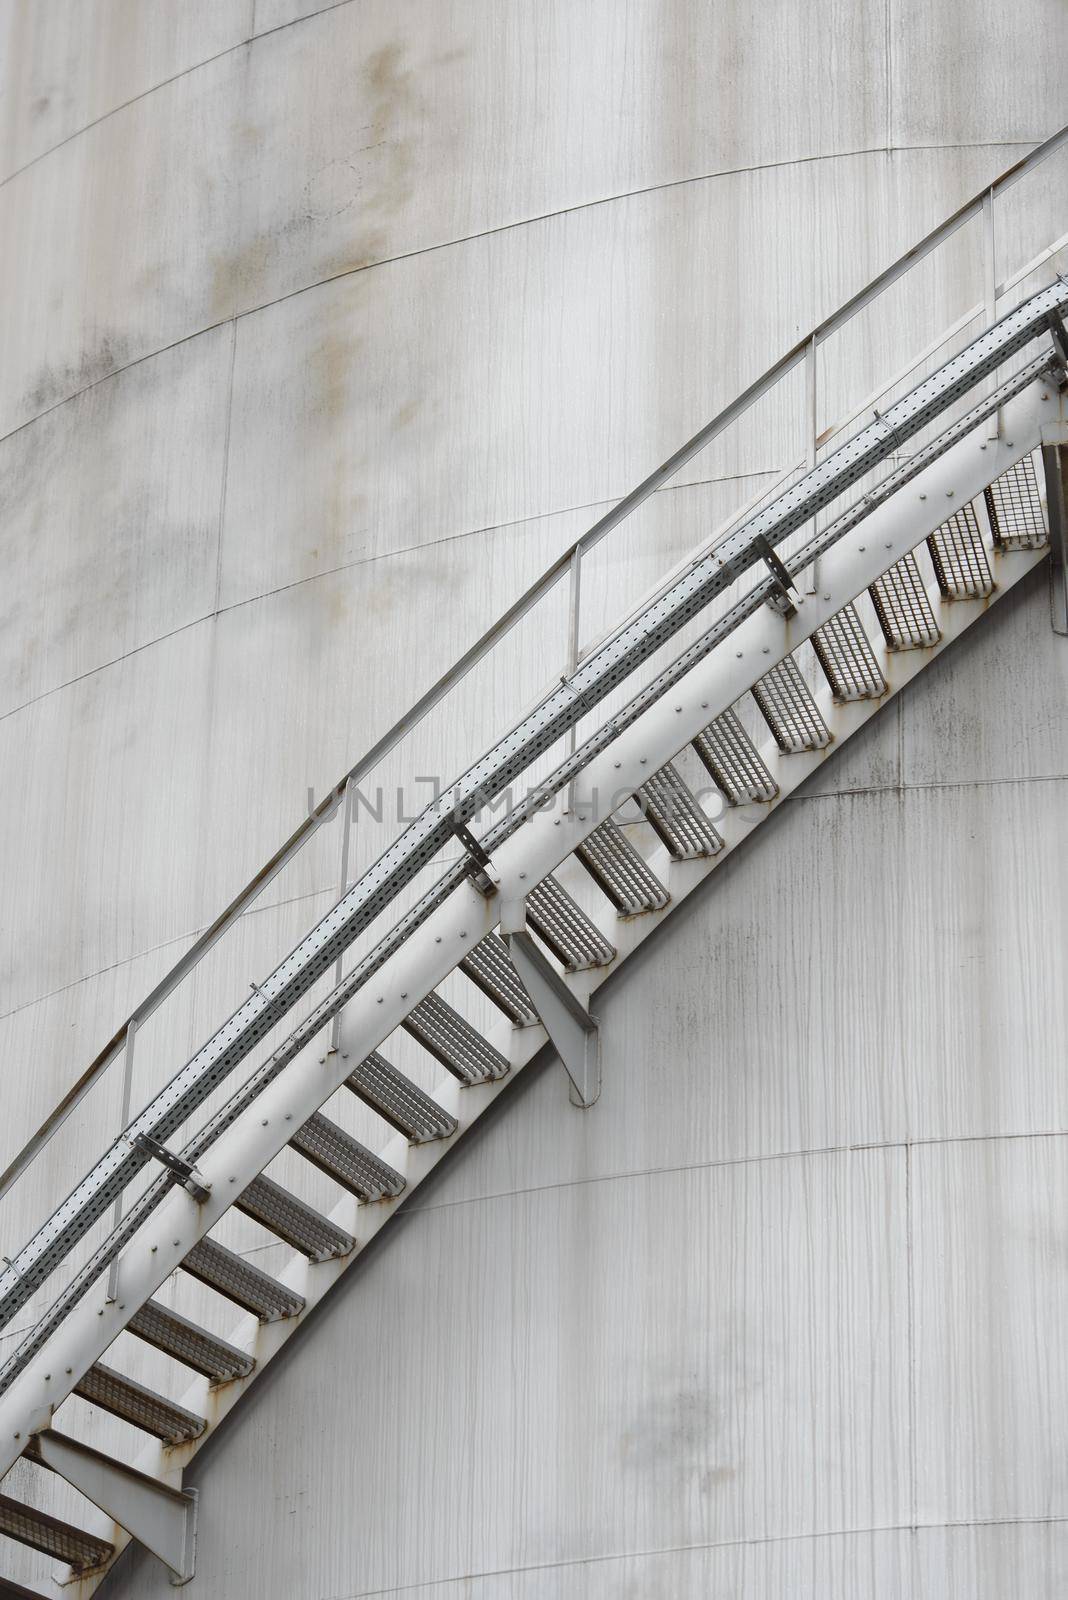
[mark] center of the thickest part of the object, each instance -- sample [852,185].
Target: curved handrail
[566,562]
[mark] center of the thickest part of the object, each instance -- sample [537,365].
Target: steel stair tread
[675,816]
[344,1159]
[959,557]
[490,969]
[902,606]
[565,929]
[733,761]
[451,1040]
[238,1280]
[399,1101]
[300,1225]
[847,659]
[1014,507]
[193,1346]
[134,1403]
[620,872]
[786,704]
[60,1540]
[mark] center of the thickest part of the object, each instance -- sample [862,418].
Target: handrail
[567,561]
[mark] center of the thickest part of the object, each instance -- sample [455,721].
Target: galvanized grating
[1014,507]
[787,706]
[113,1391]
[51,1537]
[490,969]
[844,651]
[676,817]
[620,872]
[958,556]
[306,1229]
[562,925]
[239,1281]
[734,762]
[344,1159]
[191,1345]
[451,1040]
[902,606]
[399,1101]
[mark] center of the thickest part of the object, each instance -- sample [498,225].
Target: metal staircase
[653,758]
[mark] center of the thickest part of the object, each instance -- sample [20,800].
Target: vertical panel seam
[225,465]
[888,48]
[910,1337]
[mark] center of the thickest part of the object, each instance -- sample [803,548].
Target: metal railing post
[346,829]
[990,294]
[574,601]
[124,1120]
[811,447]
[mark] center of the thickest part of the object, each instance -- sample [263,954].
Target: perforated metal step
[787,706]
[399,1101]
[61,1541]
[191,1345]
[1014,507]
[306,1229]
[490,969]
[902,606]
[958,556]
[844,652]
[113,1391]
[451,1040]
[344,1159]
[620,872]
[562,925]
[675,816]
[734,762]
[239,1281]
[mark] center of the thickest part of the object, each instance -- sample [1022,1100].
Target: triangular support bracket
[573,1032]
[163,1519]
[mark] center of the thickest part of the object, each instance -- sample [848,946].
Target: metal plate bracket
[573,1032]
[187,1175]
[782,600]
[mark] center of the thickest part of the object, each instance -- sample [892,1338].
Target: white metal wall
[321,335]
